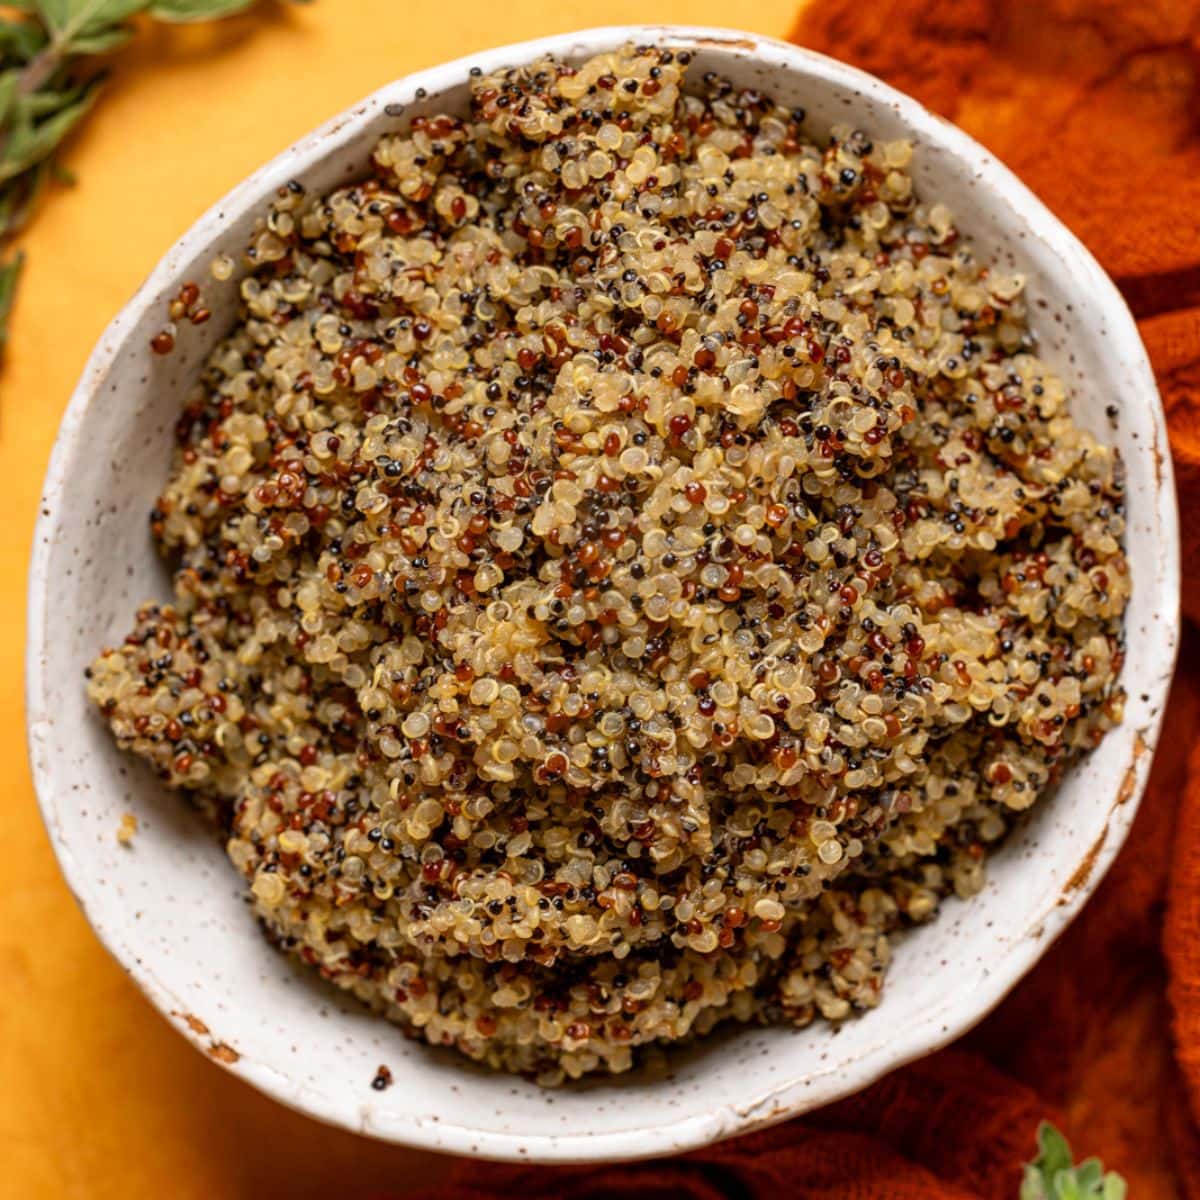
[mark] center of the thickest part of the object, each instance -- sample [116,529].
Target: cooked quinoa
[628,562]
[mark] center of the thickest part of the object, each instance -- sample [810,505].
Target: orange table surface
[99,1098]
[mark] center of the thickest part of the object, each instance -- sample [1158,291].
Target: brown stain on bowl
[1083,872]
[223,1052]
[220,1051]
[1129,781]
[194,1023]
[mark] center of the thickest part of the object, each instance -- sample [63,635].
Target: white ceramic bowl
[171,909]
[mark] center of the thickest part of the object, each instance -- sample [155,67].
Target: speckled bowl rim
[722,1118]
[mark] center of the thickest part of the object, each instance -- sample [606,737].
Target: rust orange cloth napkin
[1096,105]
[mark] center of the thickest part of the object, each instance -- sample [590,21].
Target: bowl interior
[171,908]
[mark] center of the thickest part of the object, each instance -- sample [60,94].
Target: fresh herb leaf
[10,272]
[20,40]
[55,14]
[103,42]
[1054,1151]
[1114,1187]
[8,92]
[43,103]
[99,16]
[68,19]
[1051,1176]
[30,142]
[18,200]
[196,10]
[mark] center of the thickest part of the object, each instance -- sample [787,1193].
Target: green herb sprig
[48,82]
[1053,1175]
